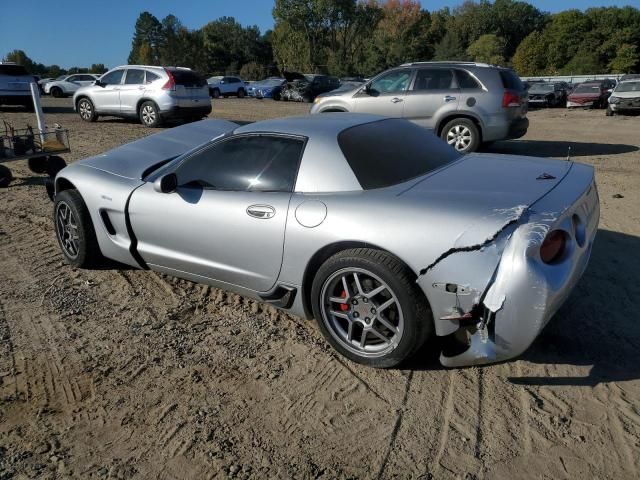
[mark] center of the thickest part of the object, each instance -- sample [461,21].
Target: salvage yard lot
[129,374]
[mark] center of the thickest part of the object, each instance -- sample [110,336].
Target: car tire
[37,164]
[276,96]
[74,230]
[86,110]
[407,321]
[149,114]
[54,165]
[241,93]
[462,134]
[215,93]
[5,176]
[56,92]
[609,112]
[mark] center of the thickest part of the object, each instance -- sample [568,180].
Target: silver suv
[152,94]
[466,104]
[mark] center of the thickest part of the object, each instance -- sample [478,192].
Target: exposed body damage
[508,293]
[470,231]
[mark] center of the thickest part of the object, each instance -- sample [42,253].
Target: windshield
[629,87]
[541,88]
[389,152]
[593,88]
[61,77]
[15,70]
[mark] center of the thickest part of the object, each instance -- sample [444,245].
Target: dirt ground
[129,374]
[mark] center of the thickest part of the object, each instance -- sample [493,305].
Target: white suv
[68,84]
[14,85]
[226,86]
[152,94]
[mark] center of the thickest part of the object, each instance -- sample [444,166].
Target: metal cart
[41,147]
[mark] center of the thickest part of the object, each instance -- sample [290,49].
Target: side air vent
[107,222]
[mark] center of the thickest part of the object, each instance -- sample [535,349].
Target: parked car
[466,104]
[391,235]
[306,87]
[591,94]
[69,84]
[548,94]
[14,85]
[226,86]
[629,76]
[268,88]
[625,98]
[152,94]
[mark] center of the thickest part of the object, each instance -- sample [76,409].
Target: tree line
[364,37]
[49,71]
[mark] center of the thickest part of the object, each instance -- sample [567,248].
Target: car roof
[325,125]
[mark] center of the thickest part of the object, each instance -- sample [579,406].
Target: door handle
[141,87]
[261,211]
[396,100]
[449,98]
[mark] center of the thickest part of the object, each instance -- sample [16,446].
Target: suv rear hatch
[191,88]
[14,80]
[515,98]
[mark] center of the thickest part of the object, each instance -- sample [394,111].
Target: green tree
[147,40]
[487,48]
[98,68]
[626,60]
[253,71]
[21,58]
[530,58]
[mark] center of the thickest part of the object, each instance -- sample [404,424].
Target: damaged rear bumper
[490,303]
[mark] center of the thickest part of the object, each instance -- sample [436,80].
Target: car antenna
[569,154]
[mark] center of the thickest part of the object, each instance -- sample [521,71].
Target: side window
[72,78]
[433,79]
[249,163]
[151,77]
[234,80]
[112,78]
[465,80]
[392,82]
[134,77]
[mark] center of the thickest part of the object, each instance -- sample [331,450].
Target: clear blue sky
[80,32]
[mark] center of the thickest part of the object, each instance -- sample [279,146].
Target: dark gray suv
[467,104]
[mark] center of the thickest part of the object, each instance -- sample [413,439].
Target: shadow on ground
[548,148]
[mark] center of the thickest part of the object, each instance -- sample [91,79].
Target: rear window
[187,78]
[511,81]
[388,152]
[14,70]
[587,88]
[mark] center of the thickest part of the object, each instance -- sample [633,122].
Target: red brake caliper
[343,306]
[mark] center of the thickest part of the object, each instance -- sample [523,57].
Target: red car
[591,94]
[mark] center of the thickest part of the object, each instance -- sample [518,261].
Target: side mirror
[98,83]
[166,183]
[367,89]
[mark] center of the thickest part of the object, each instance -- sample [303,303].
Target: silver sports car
[373,226]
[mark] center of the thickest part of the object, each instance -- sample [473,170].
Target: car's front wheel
[241,93]
[149,115]
[74,230]
[369,308]
[462,134]
[57,92]
[86,110]
[215,93]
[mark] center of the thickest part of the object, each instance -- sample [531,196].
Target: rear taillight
[510,99]
[171,83]
[553,246]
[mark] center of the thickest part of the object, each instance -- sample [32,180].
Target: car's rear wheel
[74,230]
[241,93]
[56,92]
[462,134]
[369,308]
[5,176]
[149,115]
[86,110]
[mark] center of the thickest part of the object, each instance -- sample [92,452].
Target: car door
[385,94]
[131,90]
[433,94]
[71,84]
[226,219]
[106,95]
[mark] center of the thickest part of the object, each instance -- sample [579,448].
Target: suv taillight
[510,99]
[171,83]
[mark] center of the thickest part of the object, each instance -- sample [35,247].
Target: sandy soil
[128,374]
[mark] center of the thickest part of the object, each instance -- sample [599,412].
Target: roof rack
[448,62]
